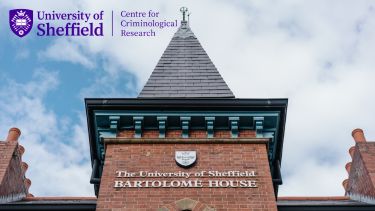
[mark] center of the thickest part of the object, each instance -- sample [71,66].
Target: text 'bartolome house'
[187,144]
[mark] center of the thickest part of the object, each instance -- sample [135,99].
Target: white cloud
[67,51]
[57,155]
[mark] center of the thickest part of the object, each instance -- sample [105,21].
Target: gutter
[94,177]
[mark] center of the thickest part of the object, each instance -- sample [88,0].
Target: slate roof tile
[185,70]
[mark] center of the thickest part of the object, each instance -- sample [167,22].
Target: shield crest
[186,159]
[21,21]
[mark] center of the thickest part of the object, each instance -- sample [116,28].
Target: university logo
[21,21]
[185,158]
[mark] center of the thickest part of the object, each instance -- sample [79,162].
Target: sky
[319,54]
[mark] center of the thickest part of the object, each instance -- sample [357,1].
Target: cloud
[56,152]
[315,177]
[65,50]
[121,86]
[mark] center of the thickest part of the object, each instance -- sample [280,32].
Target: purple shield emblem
[21,21]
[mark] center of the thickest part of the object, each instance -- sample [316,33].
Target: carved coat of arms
[185,158]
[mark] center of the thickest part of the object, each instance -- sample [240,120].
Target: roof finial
[189,18]
[183,10]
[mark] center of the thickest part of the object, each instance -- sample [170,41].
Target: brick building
[186,143]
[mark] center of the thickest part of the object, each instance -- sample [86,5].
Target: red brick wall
[362,172]
[11,175]
[6,151]
[160,157]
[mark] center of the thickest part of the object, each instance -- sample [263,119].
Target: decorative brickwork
[187,204]
[226,156]
[13,184]
[361,183]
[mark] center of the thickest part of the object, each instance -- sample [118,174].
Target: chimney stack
[351,151]
[27,183]
[14,185]
[360,185]
[13,135]
[358,136]
[345,184]
[348,167]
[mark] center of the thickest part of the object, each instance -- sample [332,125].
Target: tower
[186,143]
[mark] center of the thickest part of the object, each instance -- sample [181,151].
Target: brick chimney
[13,184]
[360,185]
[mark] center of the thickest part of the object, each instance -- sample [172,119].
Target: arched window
[186,204]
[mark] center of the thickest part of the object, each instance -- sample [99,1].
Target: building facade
[186,143]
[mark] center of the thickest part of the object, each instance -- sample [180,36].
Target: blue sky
[319,54]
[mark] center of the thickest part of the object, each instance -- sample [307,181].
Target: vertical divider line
[112,23]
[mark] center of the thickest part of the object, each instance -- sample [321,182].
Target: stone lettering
[226,179]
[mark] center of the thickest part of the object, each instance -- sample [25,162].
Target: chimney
[351,151]
[360,185]
[358,136]
[13,135]
[348,166]
[345,184]
[24,167]
[27,183]
[14,185]
[21,149]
